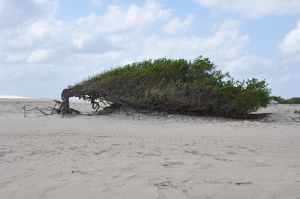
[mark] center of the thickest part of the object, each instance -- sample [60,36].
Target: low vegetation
[177,86]
[280,100]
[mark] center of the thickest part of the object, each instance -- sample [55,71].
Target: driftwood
[58,108]
[42,111]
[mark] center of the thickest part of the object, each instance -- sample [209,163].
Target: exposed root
[56,109]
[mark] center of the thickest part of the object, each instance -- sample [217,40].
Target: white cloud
[81,39]
[135,32]
[118,19]
[177,24]
[290,46]
[254,8]
[16,12]
[225,44]
[42,29]
[290,60]
[39,56]
[59,52]
[97,2]
[92,43]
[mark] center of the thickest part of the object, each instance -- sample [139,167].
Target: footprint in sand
[190,151]
[169,164]
[167,189]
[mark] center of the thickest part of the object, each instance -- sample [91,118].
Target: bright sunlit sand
[147,156]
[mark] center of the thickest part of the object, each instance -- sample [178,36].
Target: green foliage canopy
[181,86]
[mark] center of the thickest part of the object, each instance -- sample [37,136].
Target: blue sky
[46,45]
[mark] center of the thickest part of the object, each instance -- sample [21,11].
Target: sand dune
[130,155]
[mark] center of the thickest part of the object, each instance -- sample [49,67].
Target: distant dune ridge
[13,97]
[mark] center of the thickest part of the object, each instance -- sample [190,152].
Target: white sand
[12,97]
[141,157]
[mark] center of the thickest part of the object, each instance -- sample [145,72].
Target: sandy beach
[134,156]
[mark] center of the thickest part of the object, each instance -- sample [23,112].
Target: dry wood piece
[58,108]
[41,110]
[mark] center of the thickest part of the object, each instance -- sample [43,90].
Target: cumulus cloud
[93,36]
[16,12]
[118,19]
[97,2]
[290,46]
[43,48]
[177,24]
[39,56]
[225,45]
[290,60]
[254,8]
